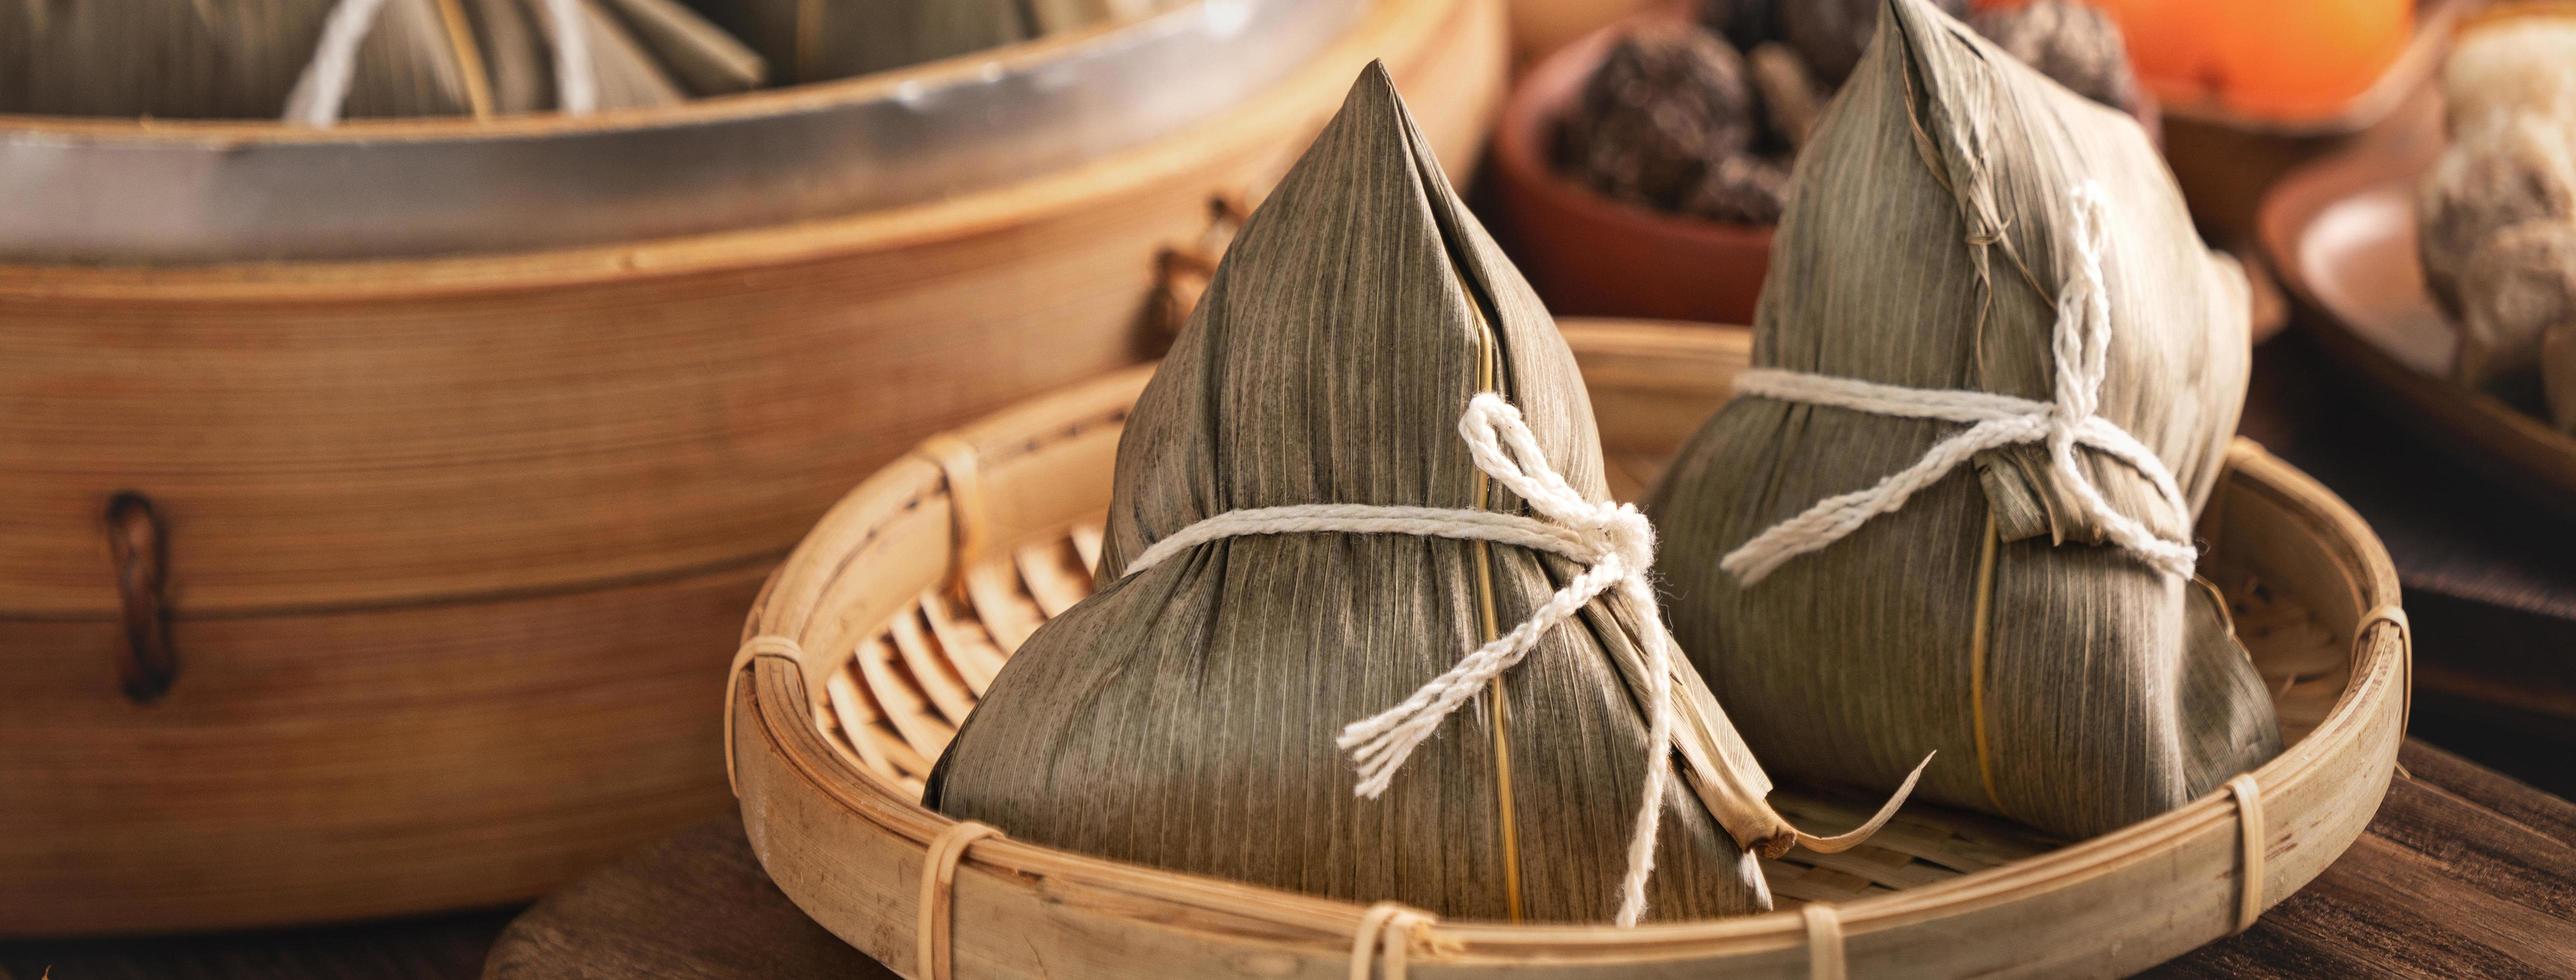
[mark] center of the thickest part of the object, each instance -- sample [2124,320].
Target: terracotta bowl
[1592,255]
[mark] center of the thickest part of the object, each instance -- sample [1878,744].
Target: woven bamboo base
[897,701]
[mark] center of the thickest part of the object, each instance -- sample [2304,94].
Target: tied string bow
[1613,542]
[2080,347]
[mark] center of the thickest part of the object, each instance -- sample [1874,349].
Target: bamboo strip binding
[2389,613]
[2249,868]
[757,647]
[957,469]
[938,882]
[1824,941]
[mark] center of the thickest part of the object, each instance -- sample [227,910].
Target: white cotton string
[322,91]
[1612,541]
[2080,348]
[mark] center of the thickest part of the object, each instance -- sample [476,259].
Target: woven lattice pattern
[896,702]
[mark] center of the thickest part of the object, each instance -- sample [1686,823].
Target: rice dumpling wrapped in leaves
[1951,507]
[271,58]
[1187,715]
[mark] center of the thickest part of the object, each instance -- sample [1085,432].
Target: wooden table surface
[2463,873]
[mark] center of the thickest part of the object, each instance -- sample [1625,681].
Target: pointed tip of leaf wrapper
[1373,100]
[1854,837]
[1369,176]
[1919,22]
[1377,74]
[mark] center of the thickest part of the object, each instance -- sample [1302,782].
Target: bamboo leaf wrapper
[1185,717]
[2066,684]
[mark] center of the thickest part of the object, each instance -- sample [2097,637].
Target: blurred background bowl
[1591,255]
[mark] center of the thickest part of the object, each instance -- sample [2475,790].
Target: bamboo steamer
[170,192]
[869,644]
[419,555]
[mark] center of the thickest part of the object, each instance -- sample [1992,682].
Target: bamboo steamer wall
[444,544]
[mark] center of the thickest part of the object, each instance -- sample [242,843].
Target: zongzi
[317,61]
[1995,374]
[1306,531]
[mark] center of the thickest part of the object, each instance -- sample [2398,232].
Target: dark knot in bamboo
[140,548]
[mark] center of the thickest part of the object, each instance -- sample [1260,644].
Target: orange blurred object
[2275,59]
[2306,58]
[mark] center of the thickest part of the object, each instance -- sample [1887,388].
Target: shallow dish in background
[2342,234]
[873,640]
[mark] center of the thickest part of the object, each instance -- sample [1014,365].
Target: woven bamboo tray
[421,551]
[870,644]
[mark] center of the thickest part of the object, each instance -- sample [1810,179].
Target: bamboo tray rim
[2378,674]
[988,211]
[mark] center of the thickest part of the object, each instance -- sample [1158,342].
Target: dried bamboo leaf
[1924,249]
[627,77]
[515,55]
[409,66]
[1185,717]
[699,57]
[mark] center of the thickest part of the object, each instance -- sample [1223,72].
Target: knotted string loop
[768,646]
[1613,542]
[2080,348]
